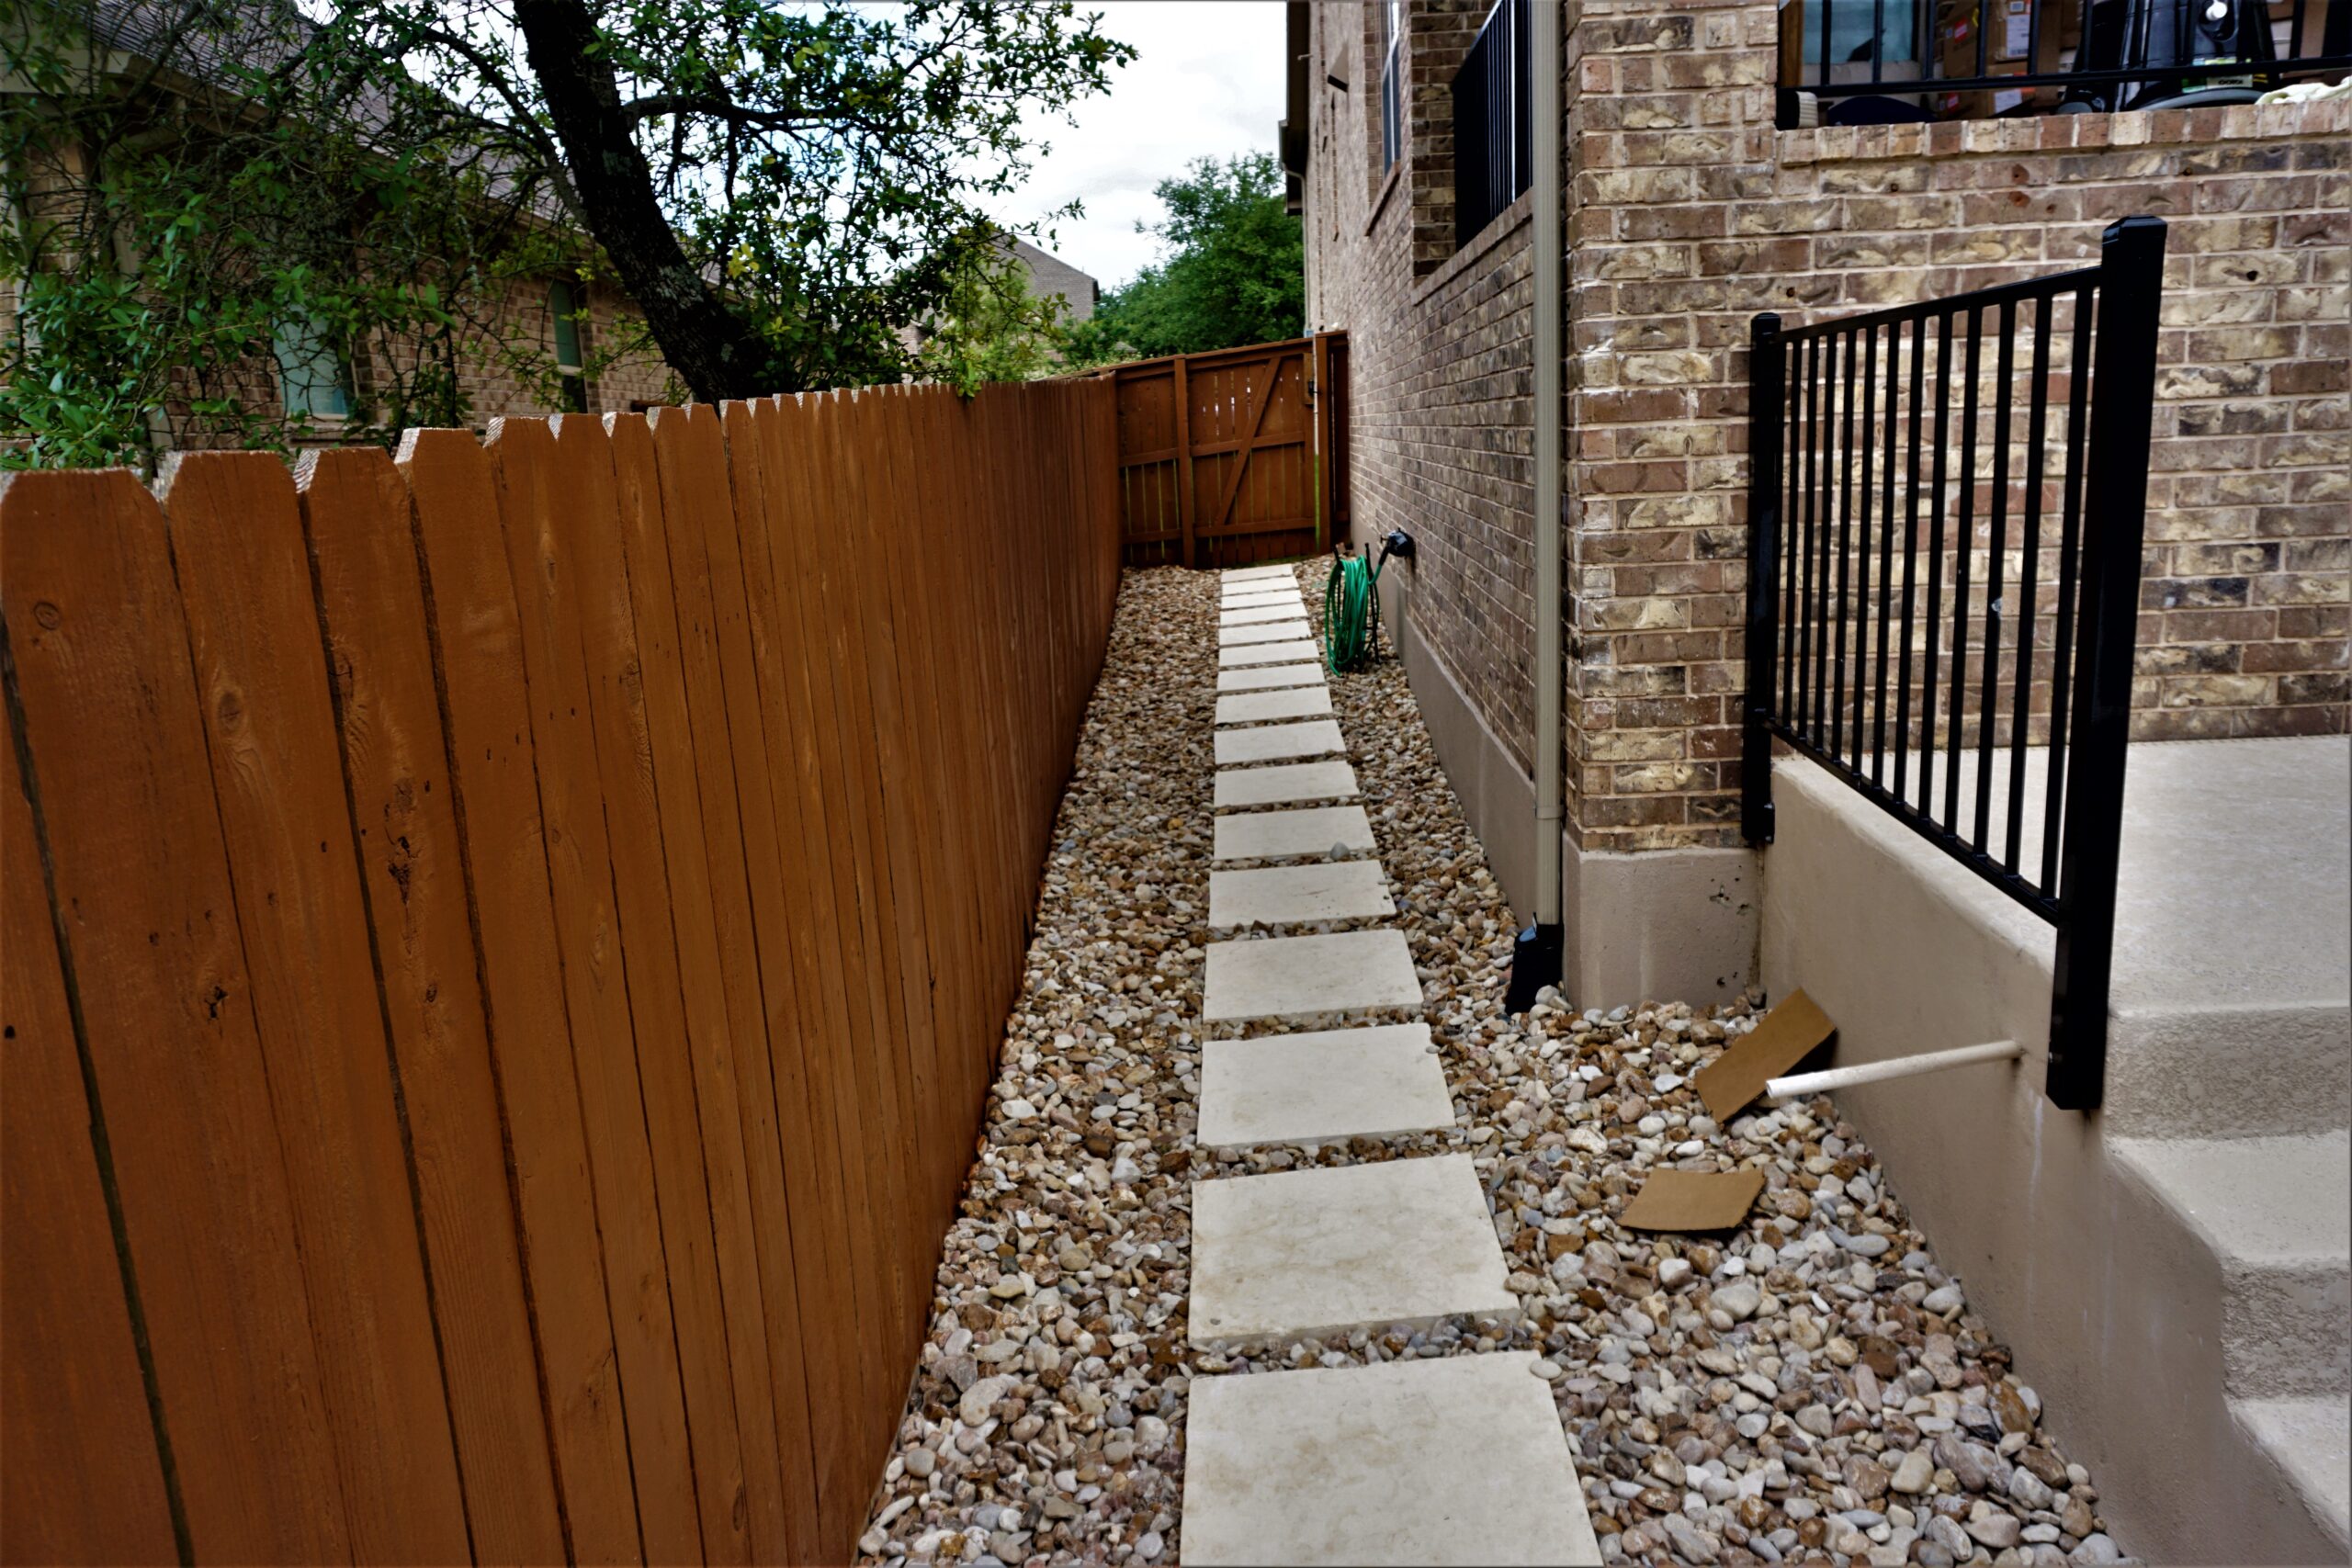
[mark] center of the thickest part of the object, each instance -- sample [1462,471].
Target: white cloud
[1206,82]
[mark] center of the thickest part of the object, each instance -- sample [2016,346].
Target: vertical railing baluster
[1786,702]
[1955,719]
[1801,569]
[1988,687]
[1910,559]
[2078,381]
[1765,417]
[1827,527]
[1844,545]
[2131,265]
[2028,579]
[1886,546]
[1861,605]
[1927,684]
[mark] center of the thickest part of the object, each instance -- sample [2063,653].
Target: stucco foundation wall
[2115,1305]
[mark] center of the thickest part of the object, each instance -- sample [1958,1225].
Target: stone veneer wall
[1688,213]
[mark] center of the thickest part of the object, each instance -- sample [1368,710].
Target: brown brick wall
[1439,353]
[1688,213]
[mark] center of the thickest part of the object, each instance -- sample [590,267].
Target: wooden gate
[1227,458]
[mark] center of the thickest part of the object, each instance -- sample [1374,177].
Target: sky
[1206,81]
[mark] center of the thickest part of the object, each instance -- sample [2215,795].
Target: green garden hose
[1351,612]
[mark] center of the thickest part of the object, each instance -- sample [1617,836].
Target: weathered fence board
[538,917]
[1230,457]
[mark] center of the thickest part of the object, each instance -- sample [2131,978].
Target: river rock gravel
[1812,1386]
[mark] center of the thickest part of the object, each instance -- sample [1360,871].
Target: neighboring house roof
[1050,275]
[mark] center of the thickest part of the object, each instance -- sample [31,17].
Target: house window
[1391,14]
[1493,121]
[563,305]
[1891,62]
[310,378]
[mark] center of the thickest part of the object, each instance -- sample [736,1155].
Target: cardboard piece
[1692,1201]
[1766,1052]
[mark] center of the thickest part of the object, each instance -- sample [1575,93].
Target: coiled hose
[1351,612]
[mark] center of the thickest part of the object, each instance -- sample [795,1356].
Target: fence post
[1766,388]
[2123,386]
[1184,456]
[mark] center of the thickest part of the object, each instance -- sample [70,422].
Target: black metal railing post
[1767,386]
[2131,264]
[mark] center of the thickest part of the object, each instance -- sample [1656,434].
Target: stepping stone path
[1456,1459]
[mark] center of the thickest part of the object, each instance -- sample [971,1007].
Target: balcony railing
[1493,146]
[1945,514]
[1879,61]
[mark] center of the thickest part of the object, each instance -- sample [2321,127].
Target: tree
[780,189]
[990,328]
[1233,269]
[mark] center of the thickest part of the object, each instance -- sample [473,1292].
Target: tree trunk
[704,341]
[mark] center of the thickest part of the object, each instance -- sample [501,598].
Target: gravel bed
[1810,1386]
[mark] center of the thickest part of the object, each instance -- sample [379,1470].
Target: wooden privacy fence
[505,953]
[1230,457]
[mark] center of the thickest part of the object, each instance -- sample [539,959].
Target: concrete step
[1318,894]
[1290,784]
[1253,615]
[2276,1213]
[1290,630]
[1273,573]
[1279,742]
[1459,1460]
[1268,707]
[1311,834]
[2310,1441]
[1299,977]
[1299,649]
[1321,1087]
[1267,677]
[1333,1249]
[2242,1070]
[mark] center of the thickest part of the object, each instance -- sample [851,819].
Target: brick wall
[1439,350]
[1688,214]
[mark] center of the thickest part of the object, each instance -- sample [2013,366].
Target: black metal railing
[1493,127]
[1945,510]
[1890,60]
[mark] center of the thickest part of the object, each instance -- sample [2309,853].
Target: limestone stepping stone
[1459,1460]
[1263,631]
[1258,573]
[1291,652]
[1279,742]
[1320,1086]
[1304,1253]
[1269,676]
[1311,834]
[1292,783]
[1299,894]
[1252,617]
[1263,707]
[1242,595]
[1307,976]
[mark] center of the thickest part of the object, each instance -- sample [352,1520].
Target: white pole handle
[1801,1084]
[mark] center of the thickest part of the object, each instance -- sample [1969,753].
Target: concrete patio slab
[1269,676]
[1320,1086]
[1264,707]
[1293,784]
[1305,976]
[1263,631]
[1311,834]
[1459,1460]
[1267,653]
[1252,617]
[1299,894]
[1303,1253]
[1279,742]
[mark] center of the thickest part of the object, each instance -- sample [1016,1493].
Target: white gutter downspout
[1536,960]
